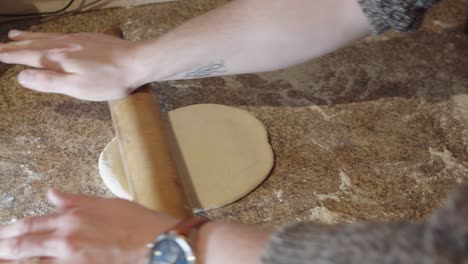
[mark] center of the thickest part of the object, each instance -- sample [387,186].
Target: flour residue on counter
[20,182]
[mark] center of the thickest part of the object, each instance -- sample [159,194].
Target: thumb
[64,201]
[45,81]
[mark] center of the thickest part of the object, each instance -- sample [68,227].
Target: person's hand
[86,66]
[87,230]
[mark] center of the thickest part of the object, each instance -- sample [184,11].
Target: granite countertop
[376,131]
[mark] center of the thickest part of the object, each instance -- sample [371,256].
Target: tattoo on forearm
[207,71]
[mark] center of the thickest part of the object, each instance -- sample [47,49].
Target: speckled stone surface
[377,131]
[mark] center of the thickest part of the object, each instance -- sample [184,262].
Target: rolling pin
[145,149]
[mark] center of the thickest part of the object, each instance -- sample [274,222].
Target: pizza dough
[225,150]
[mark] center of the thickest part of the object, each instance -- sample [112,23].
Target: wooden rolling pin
[146,151]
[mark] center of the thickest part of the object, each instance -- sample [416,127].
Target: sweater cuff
[359,243]
[285,246]
[399,15]
[447,235]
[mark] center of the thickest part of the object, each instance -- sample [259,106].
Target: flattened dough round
[225,150]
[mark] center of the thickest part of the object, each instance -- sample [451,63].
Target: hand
[87,230]
[86,66]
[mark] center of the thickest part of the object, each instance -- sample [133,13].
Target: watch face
[172,250]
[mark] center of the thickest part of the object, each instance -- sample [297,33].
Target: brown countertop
[377,131]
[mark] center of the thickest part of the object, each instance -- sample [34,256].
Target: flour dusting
[322,214]
[20,181]
[345,181]
[448,159]
[279,195]
[31,174]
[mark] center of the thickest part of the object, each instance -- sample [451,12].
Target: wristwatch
[175,246]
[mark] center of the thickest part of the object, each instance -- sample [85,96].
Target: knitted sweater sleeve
[443,239]
[400,15]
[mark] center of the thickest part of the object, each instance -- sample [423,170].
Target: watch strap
[185,227]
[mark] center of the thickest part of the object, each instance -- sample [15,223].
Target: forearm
[243,36]
[231,243]
[253,36]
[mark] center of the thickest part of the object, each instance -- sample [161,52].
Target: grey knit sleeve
[400,15]
[442,239]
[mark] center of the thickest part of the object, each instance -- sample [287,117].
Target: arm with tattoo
[243,36]
[248,36]
[206,71]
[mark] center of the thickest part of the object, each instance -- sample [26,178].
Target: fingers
[44,45]
[47,261]
[29,58]
[67,201]
[30,225]
[32,261]
[17,35]
[46,81]
[48,54]
[29,246]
